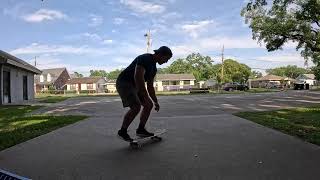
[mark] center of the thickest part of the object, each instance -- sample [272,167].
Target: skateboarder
[132,90]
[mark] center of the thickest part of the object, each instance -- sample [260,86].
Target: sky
[84,35]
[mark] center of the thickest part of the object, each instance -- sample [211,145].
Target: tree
[179,66]
[78,75]
[114,74]
[233,71]
[316,72]
[288,71]
[255,74]
[200,66]
[285,21]
[162,70]
[100,73]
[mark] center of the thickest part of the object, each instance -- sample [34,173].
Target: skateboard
[136,143]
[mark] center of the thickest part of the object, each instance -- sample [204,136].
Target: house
[210,83]
[269,81]
[16,79]
[111,86]
[307,79]
[51,79]
[87,85]
[174,82]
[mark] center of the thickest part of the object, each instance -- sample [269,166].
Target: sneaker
[124,135]
[143,133]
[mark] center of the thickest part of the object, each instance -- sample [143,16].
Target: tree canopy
[233,71]
[288,71]
[286,21]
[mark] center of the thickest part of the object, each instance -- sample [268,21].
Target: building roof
[174,77]
[309,76]
[73,76]
[85,80]
[54,73]
[7,58]
[269,77]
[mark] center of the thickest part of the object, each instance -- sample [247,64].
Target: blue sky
[108,34]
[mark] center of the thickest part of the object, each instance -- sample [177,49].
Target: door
[6,87]
[25,88]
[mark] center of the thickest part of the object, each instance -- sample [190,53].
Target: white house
[307,79]
[174,82]
[16,79]
[87,84]
[111,86]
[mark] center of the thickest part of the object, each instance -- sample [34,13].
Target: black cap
[164,50]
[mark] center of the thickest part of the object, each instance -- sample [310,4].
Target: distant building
[111,86]
[16,79]
[307,79]
[87,84]
[174,82]
[55,78]
[269,81]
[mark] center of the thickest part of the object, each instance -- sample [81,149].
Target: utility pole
[148,36]
[222,65]
[35,61]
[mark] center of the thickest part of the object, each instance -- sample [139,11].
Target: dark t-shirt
[144,60]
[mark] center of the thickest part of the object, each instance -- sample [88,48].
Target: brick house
[87,84]
[51,78]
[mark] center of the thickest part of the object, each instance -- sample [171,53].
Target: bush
[71,92]
[87,91]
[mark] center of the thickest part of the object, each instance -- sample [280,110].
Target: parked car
[235,86]
[273,85]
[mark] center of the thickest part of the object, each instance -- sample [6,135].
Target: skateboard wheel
[135,145]
[156,138]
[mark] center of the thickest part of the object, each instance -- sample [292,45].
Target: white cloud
[43,50]
[228,42]
[172,15]
[44,15]
[196,27]
[141,6]
[107,41]
[95,20]
[286,58]
[118,21]
[60,49]
[92,36]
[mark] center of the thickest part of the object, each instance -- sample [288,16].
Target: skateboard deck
[136,143]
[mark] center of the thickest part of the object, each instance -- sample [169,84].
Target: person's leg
[130,115]
[129,99]
[144,116]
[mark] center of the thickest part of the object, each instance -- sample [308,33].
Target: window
[165,83]
[89,86]
[49,78]
[73,87]
[174,82]
[41,78]
[186,82]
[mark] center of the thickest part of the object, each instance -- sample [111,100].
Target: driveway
[204,141]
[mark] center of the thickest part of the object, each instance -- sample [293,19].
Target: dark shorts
[128,94]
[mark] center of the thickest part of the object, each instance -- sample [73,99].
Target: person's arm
[152,94]
[151,91]
[140,82]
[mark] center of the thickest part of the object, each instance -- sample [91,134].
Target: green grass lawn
[16,127]
[300,122]
[51,99]
[261,90]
